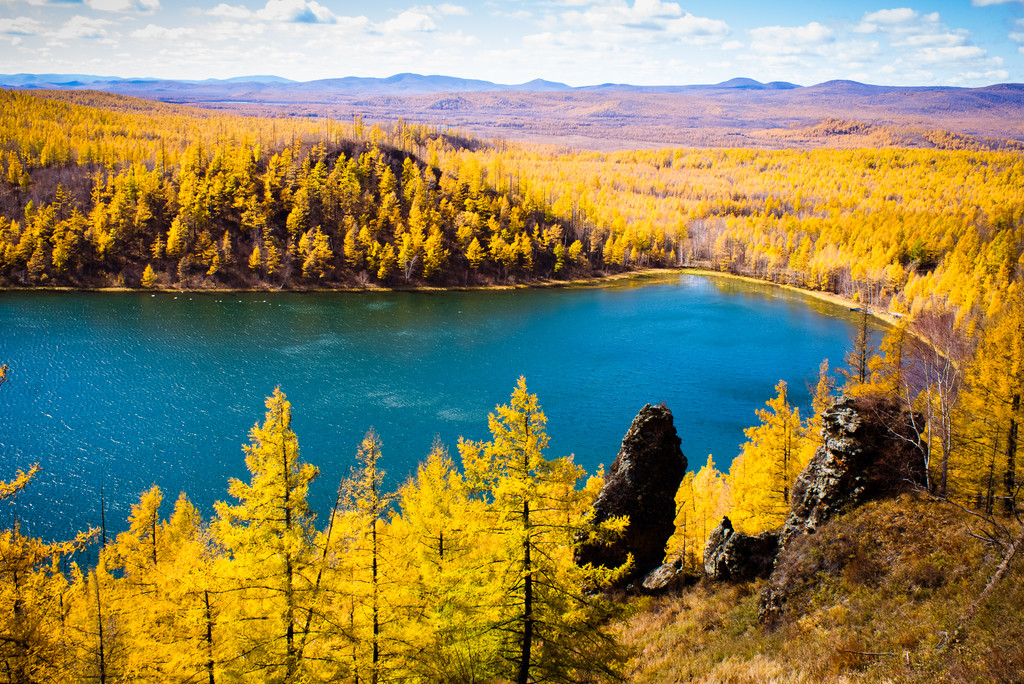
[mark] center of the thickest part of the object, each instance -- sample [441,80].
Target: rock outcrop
[642,484]
[870,449]
[734,556]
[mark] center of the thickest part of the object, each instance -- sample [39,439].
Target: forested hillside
[870,224]
[121,192]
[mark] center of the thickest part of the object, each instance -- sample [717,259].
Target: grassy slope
[884,589]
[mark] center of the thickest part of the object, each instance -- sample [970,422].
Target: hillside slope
[884,590]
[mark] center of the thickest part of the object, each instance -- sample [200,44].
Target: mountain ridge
[407,82]
[739,112]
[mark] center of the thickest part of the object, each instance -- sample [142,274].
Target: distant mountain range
[399,84]
[737,112]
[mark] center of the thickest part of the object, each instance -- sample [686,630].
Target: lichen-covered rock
[737,557]
[641,484]
[667,577]
[713,565]
[870,448]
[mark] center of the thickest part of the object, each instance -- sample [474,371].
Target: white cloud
[958,53]
[296,11]
[452,10]
[910,27]
[231,11]
[974,77]
[689,25]
[986,3]
[123,5]
[83,27]
[1018,31]
[20,26]
[284,11]
[733,45]
[347,25]
[45,3]
[518,14]
[790,40]
[644,14]
[920,43]
[889,18]
[144,6]
[414,20]
[154,32]
[458,38]
[231,32]
[614,22]
[947,39]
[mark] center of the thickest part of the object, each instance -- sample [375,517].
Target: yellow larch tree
[34,593]
[550,627]
[441,585]
[267,538]
[700,504]
[991,412]
[762,475]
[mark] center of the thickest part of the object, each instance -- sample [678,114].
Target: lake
[123,390]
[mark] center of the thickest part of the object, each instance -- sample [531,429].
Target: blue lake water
[123,390]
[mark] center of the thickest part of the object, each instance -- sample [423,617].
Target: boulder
[641,484]
[870,449]
[667,577]
[738,557]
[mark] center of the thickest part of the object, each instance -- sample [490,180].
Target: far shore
[594,281]
[581,283]
[829,297]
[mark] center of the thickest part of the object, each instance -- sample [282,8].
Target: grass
[874,596]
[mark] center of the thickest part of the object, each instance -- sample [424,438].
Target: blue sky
[579,42]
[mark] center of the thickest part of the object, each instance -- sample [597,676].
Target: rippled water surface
[123,390]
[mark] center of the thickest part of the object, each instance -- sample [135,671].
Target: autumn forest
[466,572]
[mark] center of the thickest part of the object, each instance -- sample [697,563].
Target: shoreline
[594,281]
[577,283]
[829,297]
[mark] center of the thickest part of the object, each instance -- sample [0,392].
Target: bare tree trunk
[527,642]
[1010,477]
[291,660]
[209,637]
[319,576]
[1010,552]
[99,623]
[376,607]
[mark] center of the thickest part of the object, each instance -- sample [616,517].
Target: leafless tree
[933,380]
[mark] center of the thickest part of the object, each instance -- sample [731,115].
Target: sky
[578,42]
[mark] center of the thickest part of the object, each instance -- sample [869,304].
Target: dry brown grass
[883,589]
